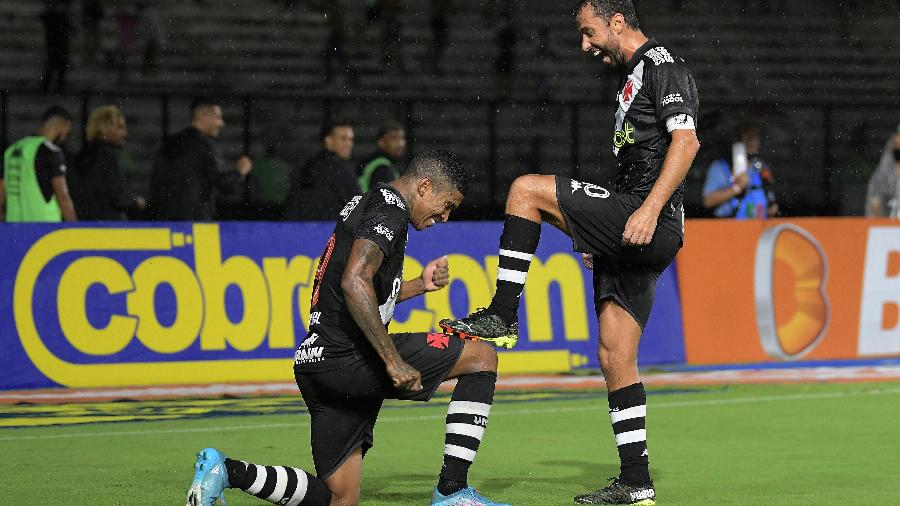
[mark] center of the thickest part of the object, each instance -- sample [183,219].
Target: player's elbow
[349,285]
[691,144]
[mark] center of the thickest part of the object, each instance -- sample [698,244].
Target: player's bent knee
[489,359]
[477,357]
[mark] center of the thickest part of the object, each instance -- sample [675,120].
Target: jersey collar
[636,57]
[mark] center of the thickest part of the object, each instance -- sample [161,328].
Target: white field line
[572,409]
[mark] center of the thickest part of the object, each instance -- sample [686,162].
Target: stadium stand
[257,49]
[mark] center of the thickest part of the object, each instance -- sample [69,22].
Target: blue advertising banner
[94,305]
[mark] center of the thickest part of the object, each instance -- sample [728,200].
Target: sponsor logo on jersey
[306,353]
[345,213]
[392,199]
[438,340]
[660,55]
[624,136]
[591,190]
[309,355]
[314,318]
[382,230]
[310,340]
[672,98]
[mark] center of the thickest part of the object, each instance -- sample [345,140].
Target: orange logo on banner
[792,310]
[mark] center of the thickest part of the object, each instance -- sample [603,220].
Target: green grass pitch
[774,444]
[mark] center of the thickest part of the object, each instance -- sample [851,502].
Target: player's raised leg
[467,419]
[619,337]
[532,199]
[277,484]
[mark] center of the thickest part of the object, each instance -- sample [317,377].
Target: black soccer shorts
[344,403]
[627,274]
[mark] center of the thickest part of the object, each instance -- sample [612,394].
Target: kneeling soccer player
[348,363]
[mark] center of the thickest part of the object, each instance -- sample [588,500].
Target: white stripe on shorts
[628,414]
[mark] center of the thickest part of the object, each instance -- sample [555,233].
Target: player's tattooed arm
[359,293]
[435,275]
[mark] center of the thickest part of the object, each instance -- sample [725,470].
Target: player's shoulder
[659,58]
[386,200]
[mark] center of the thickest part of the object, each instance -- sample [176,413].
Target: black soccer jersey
[657,94]
[380,216]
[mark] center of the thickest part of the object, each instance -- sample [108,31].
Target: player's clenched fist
[436,274]
[404,376]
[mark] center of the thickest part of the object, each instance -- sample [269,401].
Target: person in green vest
[33,180]
[381,167]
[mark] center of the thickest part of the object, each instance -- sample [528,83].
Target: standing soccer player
[348,364]
[629,236]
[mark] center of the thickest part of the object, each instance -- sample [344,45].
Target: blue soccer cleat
[210,480]
[465,497]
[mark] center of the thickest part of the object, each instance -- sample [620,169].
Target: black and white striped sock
[518,243]
[628,413]
[467,418]
[286,486]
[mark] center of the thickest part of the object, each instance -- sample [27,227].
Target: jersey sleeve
[674,91]
[384,222]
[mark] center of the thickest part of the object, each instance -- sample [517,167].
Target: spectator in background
[97,181]
[33,182]
[189,167]
[321,188]
[91,17]
[883,198]
[57,31]
[440,30]
[741,187]
[381,167]
[335,45]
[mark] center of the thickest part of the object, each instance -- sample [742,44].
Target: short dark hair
[440,165]
[607,8]
[202,103]
[388,127]
[57,111]
[329,126]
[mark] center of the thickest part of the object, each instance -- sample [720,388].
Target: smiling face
[433,203]
[600,37]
